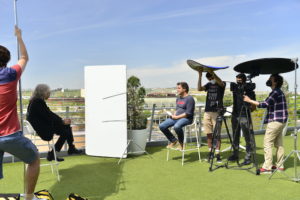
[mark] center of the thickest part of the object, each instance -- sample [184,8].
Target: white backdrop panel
[105,110]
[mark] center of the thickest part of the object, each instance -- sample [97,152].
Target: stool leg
[57,172]
[49,147]
[198,145]
[55,162]
[168,152]
[184,145]
[182,162]
[190,133]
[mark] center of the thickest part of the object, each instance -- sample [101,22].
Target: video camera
[243,87]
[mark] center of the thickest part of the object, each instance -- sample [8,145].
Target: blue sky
[153,38]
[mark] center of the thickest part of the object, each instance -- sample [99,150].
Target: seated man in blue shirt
[185,106]
[276,118]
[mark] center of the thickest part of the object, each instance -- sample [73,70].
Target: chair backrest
[28,129]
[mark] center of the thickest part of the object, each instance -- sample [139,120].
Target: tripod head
[221,111]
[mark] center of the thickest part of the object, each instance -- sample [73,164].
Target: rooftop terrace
[141,177]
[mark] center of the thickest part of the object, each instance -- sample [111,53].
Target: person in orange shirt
[12,139]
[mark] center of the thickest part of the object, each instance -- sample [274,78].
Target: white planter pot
[139,139]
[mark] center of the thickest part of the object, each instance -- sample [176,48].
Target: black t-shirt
[238,91]
[214,97]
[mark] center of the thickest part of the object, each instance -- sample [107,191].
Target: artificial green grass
[141,177]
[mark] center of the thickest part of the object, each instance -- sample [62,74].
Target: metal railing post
[200,127]
[151,122]
[67,117]
[67,112]
[262,120]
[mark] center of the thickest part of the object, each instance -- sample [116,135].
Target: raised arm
[200,87]
[23,52]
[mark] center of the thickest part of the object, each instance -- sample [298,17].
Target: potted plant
[136,119]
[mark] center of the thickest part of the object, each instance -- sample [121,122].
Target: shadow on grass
[156,149]
[190,157]
[93,181]
[289,163]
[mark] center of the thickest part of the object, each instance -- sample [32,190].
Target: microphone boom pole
[20,86]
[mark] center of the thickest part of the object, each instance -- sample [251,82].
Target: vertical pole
[262,120]
[295,118]
[151,122]
[20,86]
[200,127]
[67,116]
[18,52]
[67,112]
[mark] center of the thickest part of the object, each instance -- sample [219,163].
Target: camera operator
[215,89]
[276,118]
[241,116]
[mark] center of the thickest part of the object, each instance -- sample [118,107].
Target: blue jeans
[19,146]
[178,125]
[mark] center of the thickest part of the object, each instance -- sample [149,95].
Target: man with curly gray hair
[46,123]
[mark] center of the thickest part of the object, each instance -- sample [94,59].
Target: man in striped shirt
[276,119]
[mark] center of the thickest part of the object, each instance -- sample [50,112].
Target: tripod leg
[212,151]
[124,151]
[230,139]
[251,137]
[227,130]
[287,157]
[253,144]
[216,136]
[298,155]
[211,158]
[235,141]
[142,149]
[253,153]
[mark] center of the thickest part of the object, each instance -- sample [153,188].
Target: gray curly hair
[40,91]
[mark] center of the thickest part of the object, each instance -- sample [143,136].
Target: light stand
[295,151]
[129,141]
[20,85]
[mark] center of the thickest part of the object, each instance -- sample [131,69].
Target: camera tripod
[249,135]
[217,136]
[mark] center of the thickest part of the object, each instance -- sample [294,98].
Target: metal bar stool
[188,141]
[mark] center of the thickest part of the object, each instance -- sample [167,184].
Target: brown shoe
[172,144]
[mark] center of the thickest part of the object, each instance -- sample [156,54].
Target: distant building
[63,99]
[160,94]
